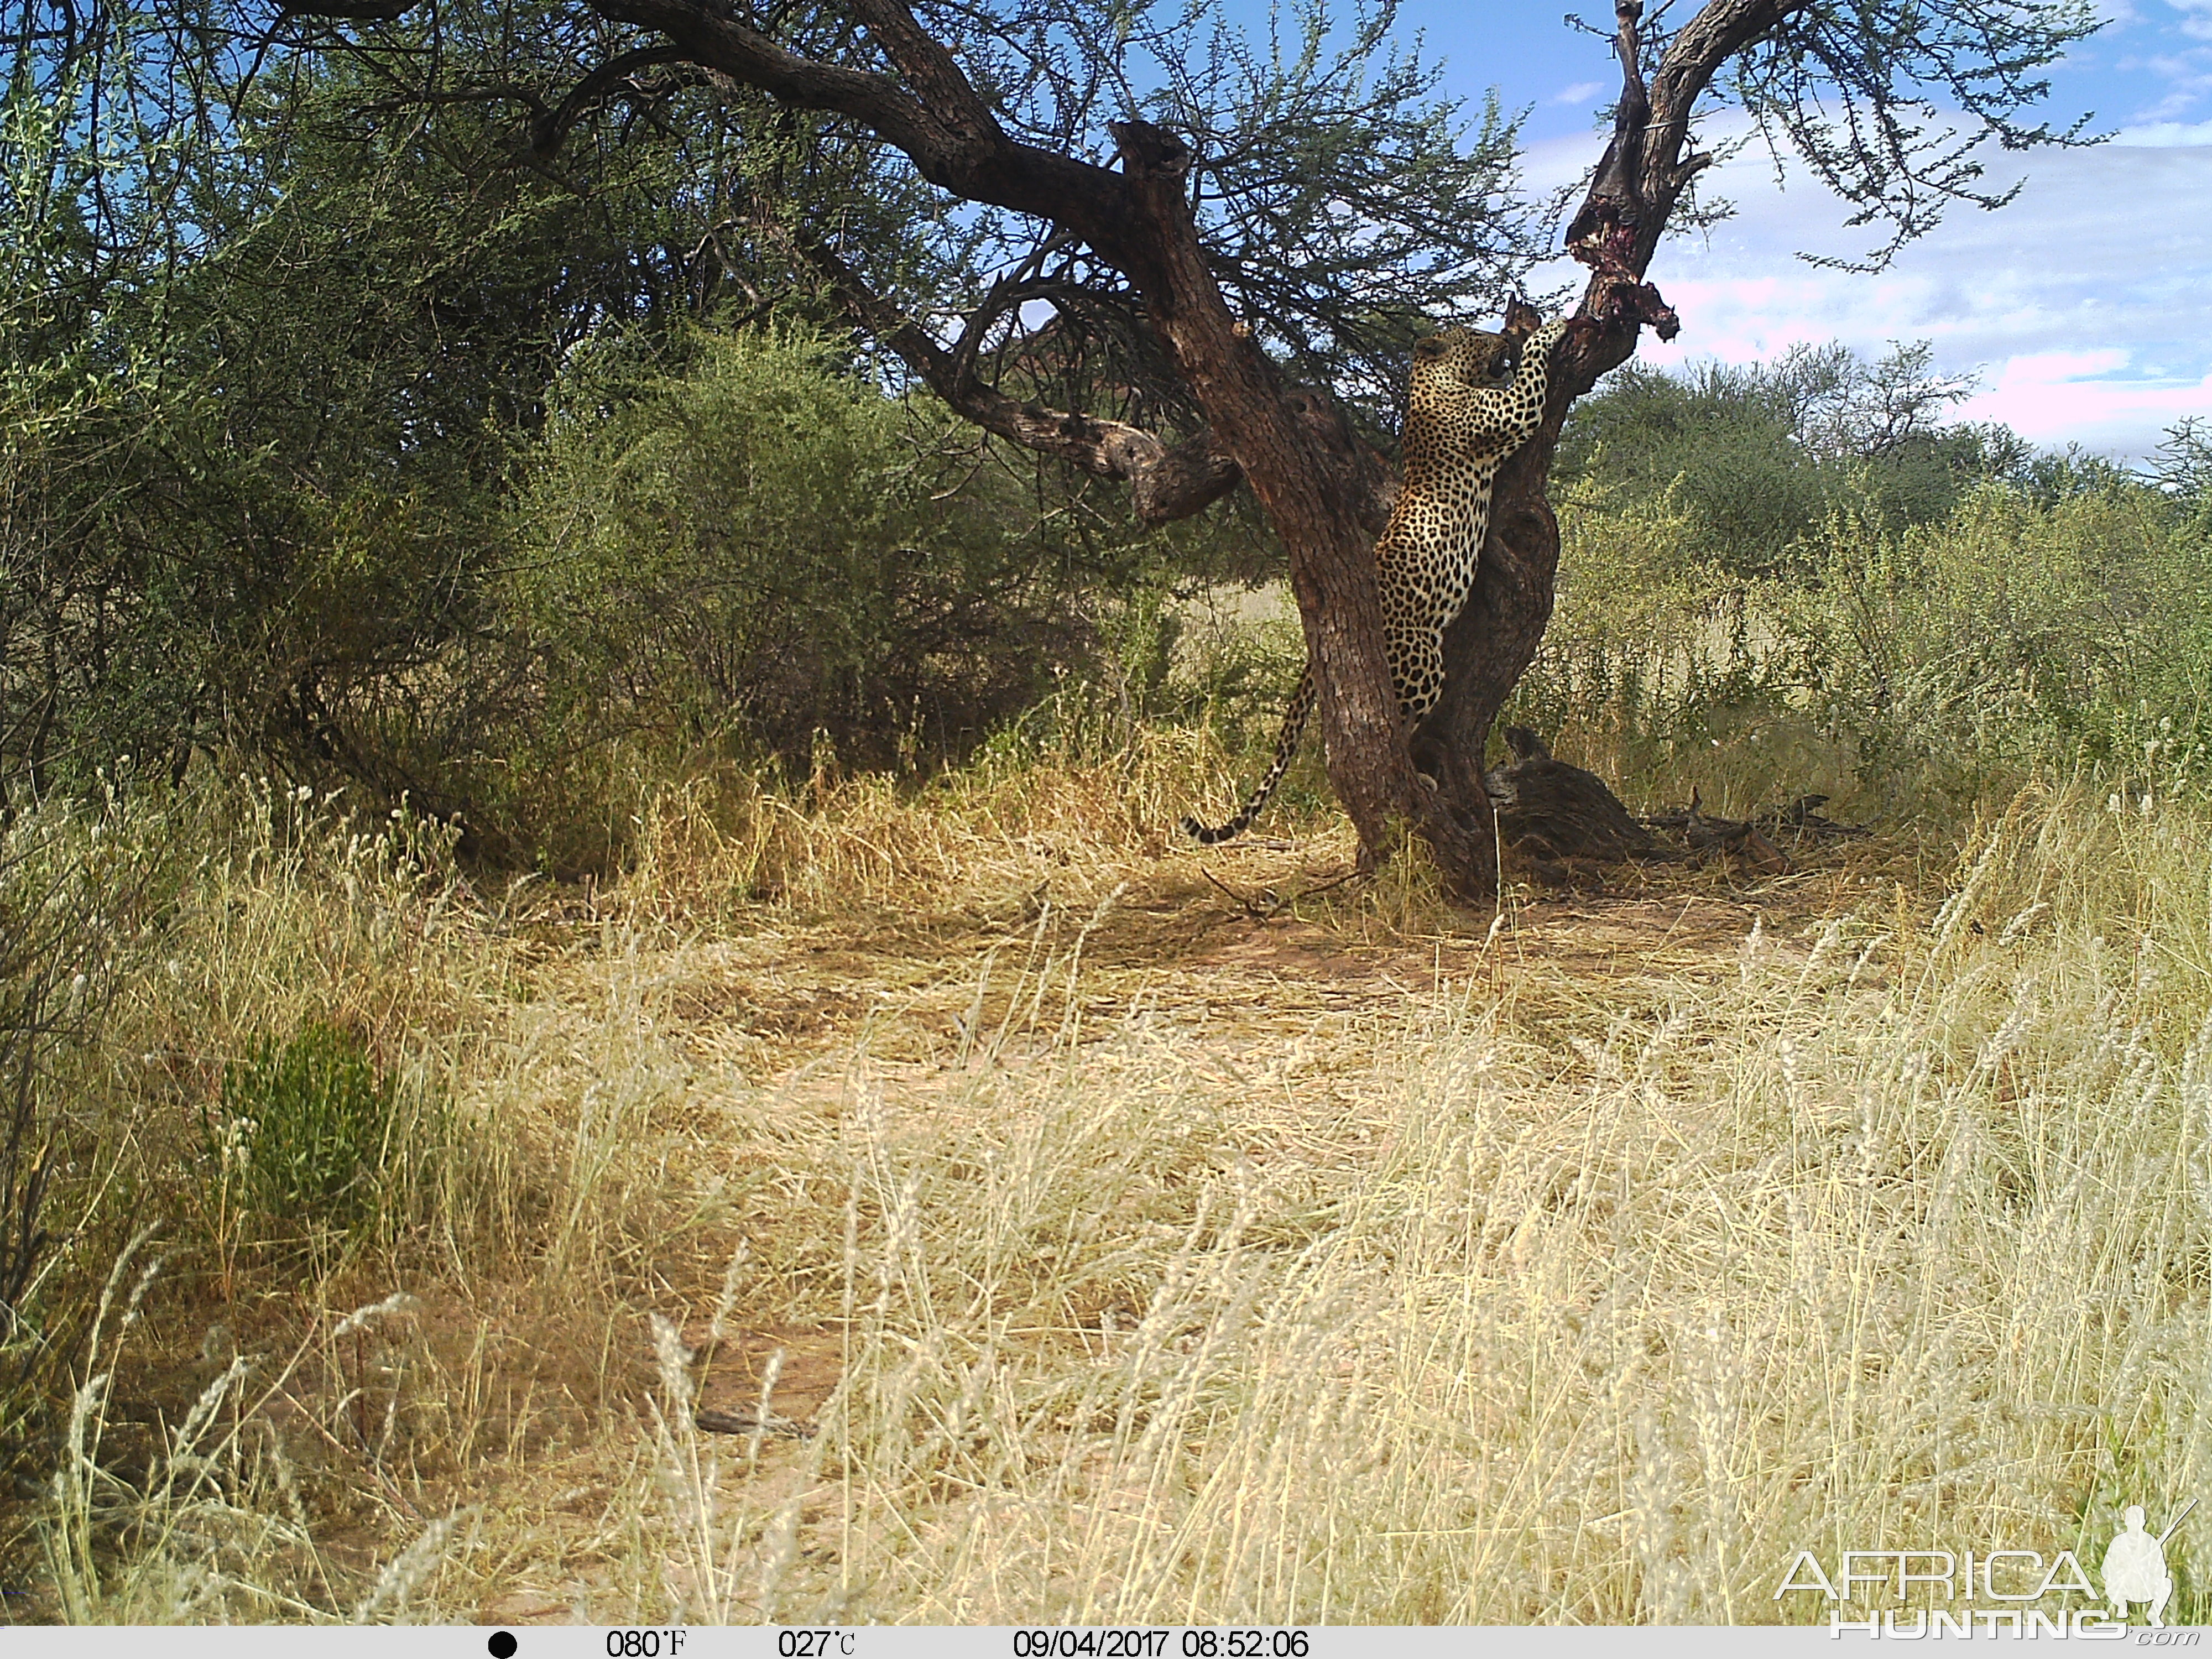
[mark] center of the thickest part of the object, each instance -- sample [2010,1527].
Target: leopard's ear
[1429,346]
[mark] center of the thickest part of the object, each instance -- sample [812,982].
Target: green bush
[744,548]
[2061,630]
[308,1131]
[1750,461]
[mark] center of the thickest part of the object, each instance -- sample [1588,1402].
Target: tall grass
[292,988]
[1509,1295]
[1897,1231]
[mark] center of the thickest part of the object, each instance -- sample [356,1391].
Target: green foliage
[735,545]
[1723,463]
[287,520]
[2029,629]
[1751,461]
[253,455]
[256,528]
[2013,624]
[306,1133]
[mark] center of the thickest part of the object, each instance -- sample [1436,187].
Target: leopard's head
[1461,357]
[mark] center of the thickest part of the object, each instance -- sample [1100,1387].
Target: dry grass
[1080,1242]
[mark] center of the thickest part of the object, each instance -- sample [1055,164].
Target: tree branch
[929,69]
[943,126]
[1167,481]
[1643,172]
[352,11]
[549,129]
[1721,29]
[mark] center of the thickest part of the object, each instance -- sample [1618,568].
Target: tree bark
[1634,192]
[1303,483]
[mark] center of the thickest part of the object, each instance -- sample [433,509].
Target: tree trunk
[1309,476]
[1631,198]
[1491,646]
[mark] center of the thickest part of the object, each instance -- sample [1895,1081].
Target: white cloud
[2166,134]
[2055,398]
[2162,112]
[2186,69]
[1581,93]
[2086,305]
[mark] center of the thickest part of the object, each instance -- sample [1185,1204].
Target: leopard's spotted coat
[1466,410]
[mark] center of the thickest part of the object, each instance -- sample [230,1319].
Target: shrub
[1751,461]
[307,1131]
[2024,630]
[746,546]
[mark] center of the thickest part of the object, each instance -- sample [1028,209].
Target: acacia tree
[1196,220]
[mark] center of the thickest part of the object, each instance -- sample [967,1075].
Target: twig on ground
[1249,908]
[1335,881]
[714,1422]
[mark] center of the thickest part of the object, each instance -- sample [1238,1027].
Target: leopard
[1470,403]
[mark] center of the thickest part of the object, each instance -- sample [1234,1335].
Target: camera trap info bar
[525,1641]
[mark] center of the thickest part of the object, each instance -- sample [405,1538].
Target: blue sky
[2086,306]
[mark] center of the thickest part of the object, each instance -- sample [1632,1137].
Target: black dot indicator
[502,1644]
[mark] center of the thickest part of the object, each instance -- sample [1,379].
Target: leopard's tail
[1286,748]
